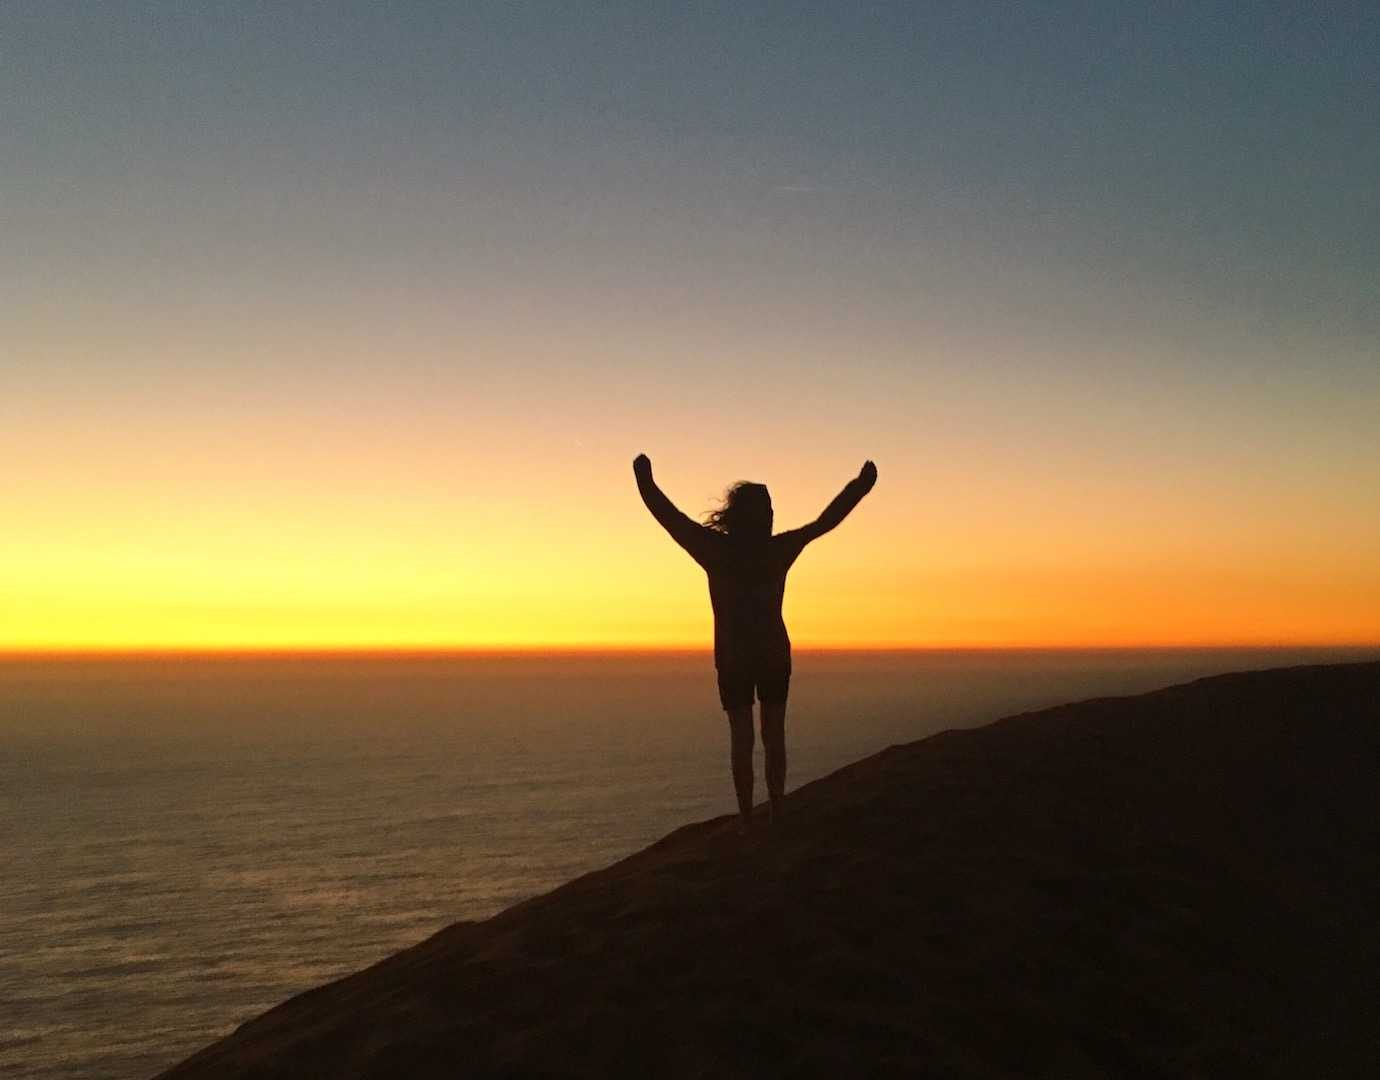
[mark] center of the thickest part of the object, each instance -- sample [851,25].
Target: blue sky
[1138,244]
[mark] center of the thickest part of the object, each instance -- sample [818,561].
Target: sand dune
[1183,883]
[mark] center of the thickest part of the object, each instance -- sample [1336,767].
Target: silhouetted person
[747,568]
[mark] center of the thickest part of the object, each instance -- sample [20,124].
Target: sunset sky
[340,325]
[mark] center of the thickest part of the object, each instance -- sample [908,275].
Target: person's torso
[747,583]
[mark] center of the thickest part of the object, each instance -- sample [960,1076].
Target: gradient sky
[340,324]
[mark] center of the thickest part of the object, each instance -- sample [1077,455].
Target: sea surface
[184,842]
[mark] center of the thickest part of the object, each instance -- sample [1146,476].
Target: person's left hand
[642,466]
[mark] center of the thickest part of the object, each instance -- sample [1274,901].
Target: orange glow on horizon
[834,600]
[421,578]
[302,529]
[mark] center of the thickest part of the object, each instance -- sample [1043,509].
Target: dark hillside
[1184,883]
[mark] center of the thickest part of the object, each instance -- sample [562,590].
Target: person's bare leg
[740,731]
[774,750]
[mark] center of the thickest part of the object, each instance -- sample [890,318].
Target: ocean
[184,842]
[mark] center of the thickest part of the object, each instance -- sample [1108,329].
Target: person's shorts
[737,686]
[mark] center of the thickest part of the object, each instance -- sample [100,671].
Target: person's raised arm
[688,534]
[841,505]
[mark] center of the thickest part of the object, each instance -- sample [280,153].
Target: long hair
[745,512]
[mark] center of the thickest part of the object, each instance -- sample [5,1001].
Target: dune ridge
[1180,883]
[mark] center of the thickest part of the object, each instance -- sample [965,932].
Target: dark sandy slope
[1183,883]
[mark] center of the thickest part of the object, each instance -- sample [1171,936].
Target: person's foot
[776,811]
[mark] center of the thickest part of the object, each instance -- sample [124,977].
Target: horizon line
[95,652]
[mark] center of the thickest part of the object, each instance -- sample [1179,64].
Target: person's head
[745,513]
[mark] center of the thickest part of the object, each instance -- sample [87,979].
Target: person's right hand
[642,465]
[868,474]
